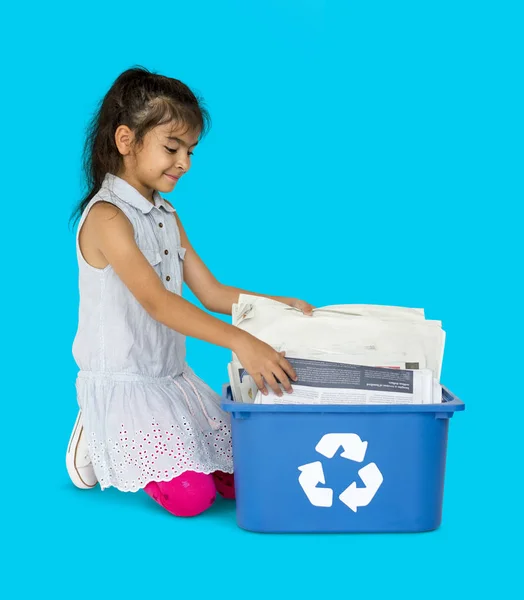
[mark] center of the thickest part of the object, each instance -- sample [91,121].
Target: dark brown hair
[141,100]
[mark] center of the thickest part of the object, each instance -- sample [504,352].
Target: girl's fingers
[282,377]
[272,382]
[284,363]
[259,380]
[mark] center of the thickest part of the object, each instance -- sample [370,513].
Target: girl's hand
[305,307]
[263,362]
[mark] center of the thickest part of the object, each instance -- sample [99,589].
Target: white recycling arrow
[353,497]
[311,474]
[354,447]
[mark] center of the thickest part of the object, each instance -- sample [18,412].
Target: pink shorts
[191,493]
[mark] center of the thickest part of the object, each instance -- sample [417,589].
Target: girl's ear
[124,139]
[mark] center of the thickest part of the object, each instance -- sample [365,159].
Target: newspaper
[322,382]
[244,388]
[353,334]
[346,330]
[246,302]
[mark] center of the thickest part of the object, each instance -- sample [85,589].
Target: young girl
[146,421]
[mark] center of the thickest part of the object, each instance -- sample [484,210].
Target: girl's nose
[183,163]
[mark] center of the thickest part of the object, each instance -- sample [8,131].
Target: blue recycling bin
[339,468]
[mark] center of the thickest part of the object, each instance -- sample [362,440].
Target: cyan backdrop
[360,152]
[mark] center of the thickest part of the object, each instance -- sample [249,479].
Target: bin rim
[450,404]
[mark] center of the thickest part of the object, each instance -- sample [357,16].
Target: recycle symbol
[354,449]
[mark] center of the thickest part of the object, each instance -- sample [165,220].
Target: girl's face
[162,158]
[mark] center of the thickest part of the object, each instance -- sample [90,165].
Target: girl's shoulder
[102,210]
[106,205]
[105,211]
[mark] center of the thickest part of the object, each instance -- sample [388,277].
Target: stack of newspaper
[344,354]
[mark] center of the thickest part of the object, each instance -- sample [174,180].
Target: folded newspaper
[337,341]
[321,382]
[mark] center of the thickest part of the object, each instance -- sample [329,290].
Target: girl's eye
[173,150]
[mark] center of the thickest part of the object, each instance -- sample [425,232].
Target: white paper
[367,335]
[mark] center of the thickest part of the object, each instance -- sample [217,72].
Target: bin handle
[241,415]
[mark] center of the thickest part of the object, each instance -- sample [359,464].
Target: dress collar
[126,192]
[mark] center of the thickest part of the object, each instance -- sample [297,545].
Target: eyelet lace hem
[136,487]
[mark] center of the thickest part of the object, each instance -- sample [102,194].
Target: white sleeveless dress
[147,416]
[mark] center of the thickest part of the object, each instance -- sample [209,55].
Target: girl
[146,421]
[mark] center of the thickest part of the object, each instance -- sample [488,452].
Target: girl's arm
[215,296]
[113,235]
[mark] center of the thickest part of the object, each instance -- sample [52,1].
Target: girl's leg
[187,495]
[225,484]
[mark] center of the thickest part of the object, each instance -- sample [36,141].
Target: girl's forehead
[178,131]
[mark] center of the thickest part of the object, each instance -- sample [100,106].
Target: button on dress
[147,416]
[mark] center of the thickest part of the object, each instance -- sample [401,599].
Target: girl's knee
[187,495]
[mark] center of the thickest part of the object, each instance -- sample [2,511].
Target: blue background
[361,152]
